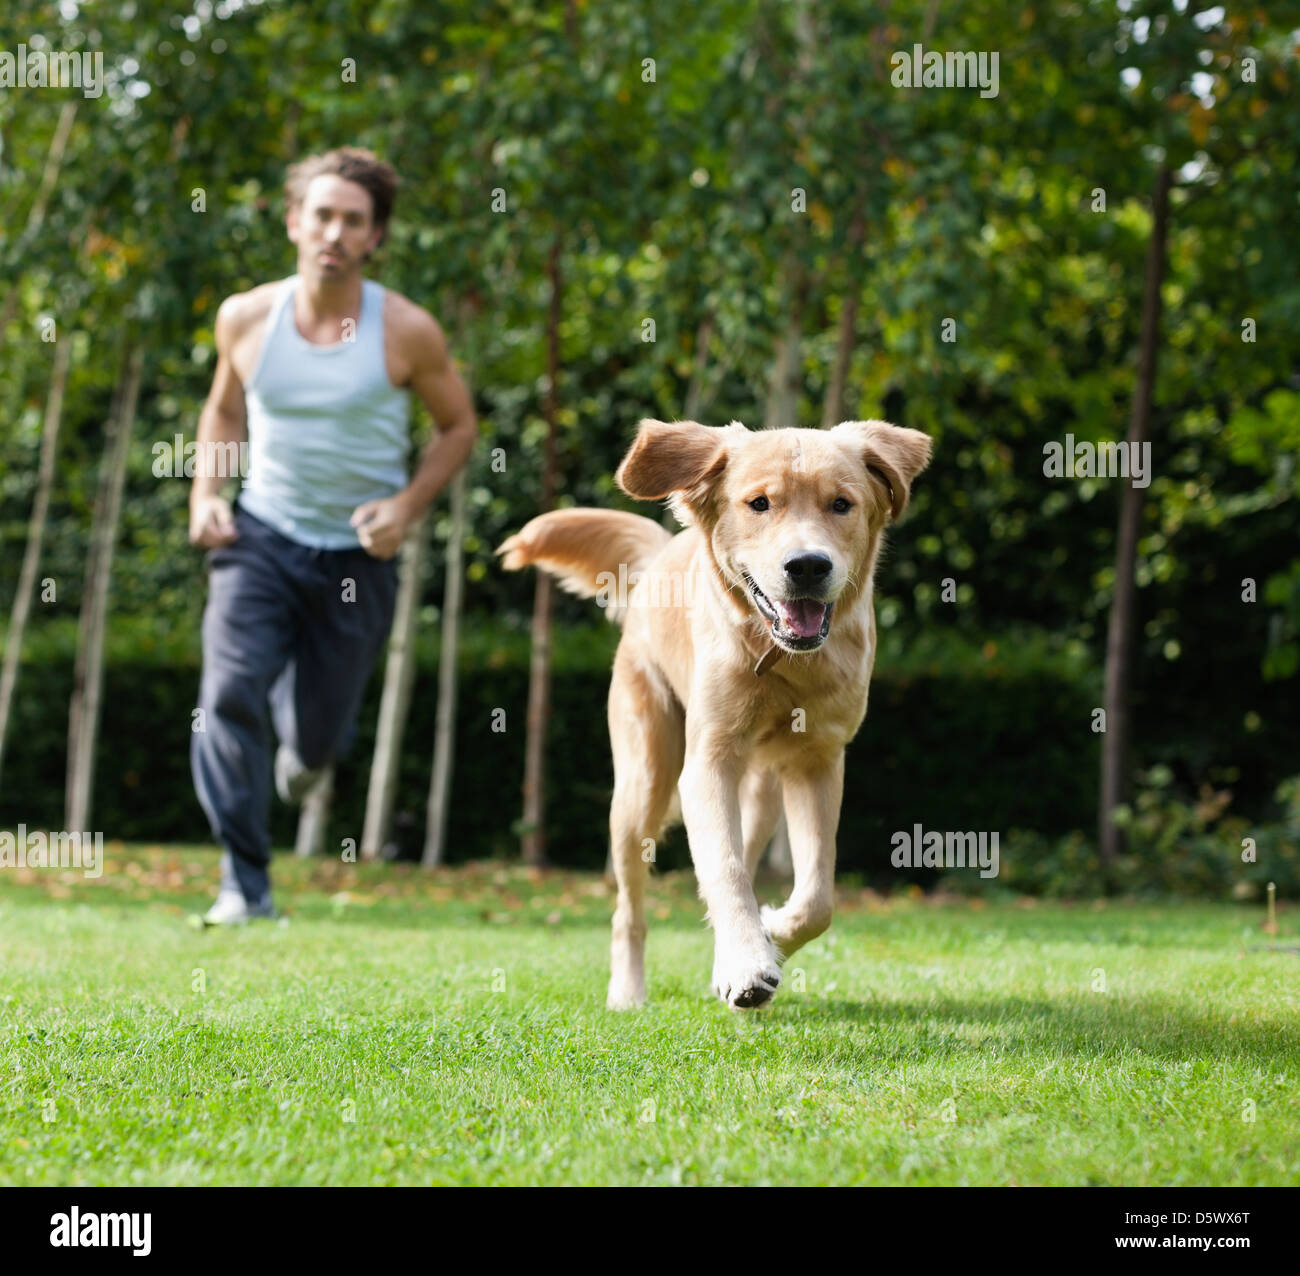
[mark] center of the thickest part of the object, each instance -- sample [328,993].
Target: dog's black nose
[809,568]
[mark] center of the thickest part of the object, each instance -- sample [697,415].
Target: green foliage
[1197,847]
[1283,592]
[1178,847]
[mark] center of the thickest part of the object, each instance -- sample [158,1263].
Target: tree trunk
[833,409]
[53,162]
[539,669]
[695,390]
[1119,636]
[539,713]
[35,535]
[786,383]
[395,703]
[314,816]
[444,736]
[88,676]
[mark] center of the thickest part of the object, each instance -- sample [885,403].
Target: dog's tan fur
[687,711]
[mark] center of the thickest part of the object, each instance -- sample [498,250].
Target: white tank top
[327,430]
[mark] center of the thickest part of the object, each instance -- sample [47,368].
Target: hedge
[949,748]
[995,737]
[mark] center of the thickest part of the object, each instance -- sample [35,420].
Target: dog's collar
[767,660]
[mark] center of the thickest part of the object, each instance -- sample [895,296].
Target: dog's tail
[584,550]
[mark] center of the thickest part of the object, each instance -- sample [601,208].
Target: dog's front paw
[745,981]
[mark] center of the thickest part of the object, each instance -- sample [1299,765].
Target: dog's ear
[683,458]
[897,455]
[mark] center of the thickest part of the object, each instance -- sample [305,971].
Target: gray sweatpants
[300,629]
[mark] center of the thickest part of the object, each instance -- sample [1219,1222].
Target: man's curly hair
[356,165]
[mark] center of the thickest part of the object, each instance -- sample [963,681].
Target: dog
[742,671]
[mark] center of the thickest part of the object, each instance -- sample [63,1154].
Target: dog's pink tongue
[803,617]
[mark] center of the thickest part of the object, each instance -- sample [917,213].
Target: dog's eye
[841,506]
[758,504]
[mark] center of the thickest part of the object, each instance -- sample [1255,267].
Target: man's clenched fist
[381,526]
[211,522]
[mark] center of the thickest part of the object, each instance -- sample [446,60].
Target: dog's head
[793,517]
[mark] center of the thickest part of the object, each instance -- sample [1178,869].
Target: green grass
[449,1029]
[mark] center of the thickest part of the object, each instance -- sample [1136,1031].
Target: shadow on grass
[1082,1026]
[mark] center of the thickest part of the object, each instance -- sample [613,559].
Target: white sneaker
[293,781]
[231,909]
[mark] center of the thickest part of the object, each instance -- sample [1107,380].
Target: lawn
[412,1028]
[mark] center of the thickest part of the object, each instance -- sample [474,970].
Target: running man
[315,372]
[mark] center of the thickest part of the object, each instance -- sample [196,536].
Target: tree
[399,678]
[35,536]
[87,691]
[1119,641]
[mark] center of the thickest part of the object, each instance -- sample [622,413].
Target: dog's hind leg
[760,812]
[647,731]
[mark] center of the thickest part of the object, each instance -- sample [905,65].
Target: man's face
[334,228]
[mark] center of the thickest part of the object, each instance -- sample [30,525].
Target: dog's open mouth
[797,624]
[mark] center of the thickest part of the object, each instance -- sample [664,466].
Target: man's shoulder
[417,332]
[243,310]
[412,321]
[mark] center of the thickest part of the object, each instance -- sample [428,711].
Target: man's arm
[382,525]
[442,391]
[222,422]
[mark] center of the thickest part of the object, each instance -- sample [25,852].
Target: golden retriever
[742,672]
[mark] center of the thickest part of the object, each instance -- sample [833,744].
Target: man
[315,372]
